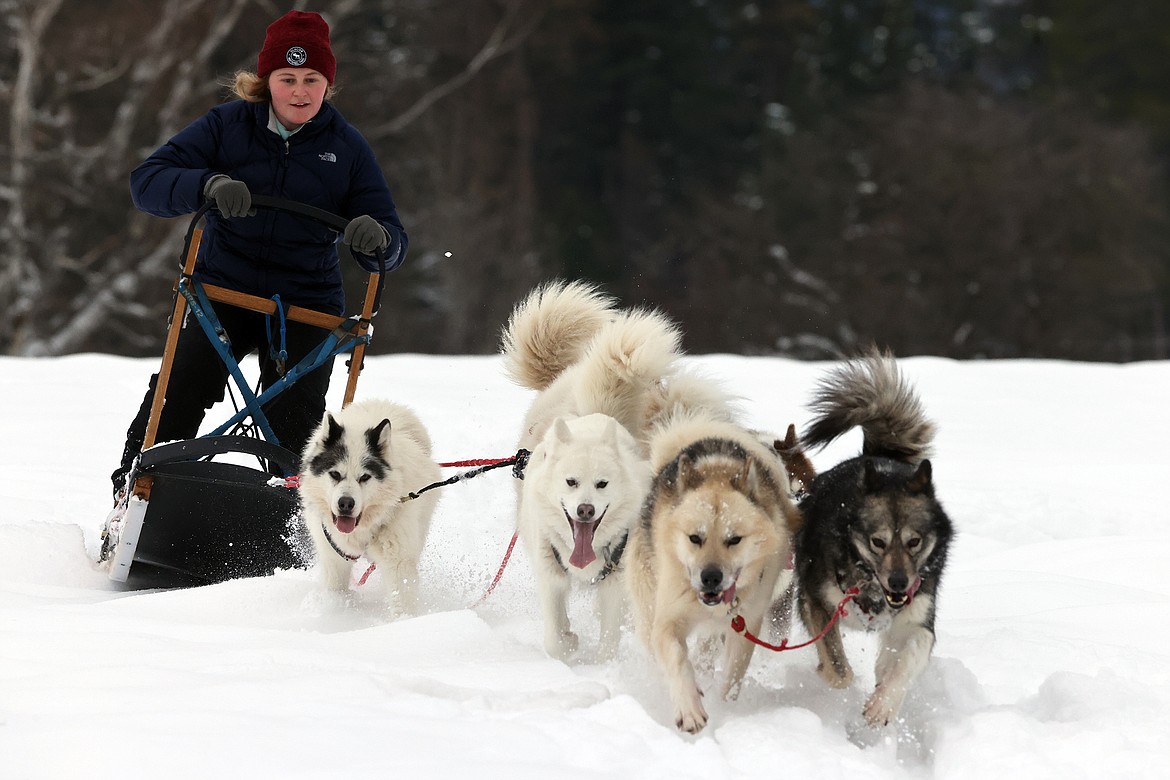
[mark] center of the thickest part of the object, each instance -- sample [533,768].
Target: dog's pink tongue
[583,554]
[729,594]
[345,524]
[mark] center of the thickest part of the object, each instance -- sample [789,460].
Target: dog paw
[691,719]
[881,708]
[834,676]
[690,715]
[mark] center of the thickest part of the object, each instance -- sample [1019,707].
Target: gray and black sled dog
[872,523]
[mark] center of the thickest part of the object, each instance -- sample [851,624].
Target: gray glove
[231,197]
[365,235]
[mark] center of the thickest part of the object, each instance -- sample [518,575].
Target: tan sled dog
[712,539]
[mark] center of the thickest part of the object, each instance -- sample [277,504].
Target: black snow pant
[199,377]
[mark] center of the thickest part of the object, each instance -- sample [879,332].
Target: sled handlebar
[327,218]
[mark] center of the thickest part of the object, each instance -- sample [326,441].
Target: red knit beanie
[299,39]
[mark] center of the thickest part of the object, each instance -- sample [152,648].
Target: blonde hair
[247,85]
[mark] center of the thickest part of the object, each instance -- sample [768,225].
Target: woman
[281,138]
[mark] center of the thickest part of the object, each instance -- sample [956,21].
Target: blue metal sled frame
[341,339]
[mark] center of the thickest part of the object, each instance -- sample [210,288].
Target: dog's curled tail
[550,329]
[871,392]
[624,360]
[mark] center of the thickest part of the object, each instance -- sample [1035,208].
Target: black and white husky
[355,471]
[873,522]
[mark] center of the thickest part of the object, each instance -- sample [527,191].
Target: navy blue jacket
[327,164]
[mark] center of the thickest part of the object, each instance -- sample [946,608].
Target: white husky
[598,371]
[356,468]
[581,492]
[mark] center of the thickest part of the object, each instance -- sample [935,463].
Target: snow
[1052,659]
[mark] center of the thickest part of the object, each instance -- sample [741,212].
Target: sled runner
[194,513]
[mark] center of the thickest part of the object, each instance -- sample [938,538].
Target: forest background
[963,178]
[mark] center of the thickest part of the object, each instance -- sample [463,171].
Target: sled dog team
[644,487]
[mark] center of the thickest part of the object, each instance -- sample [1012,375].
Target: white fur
[582,461]
[589,362]
[617,375]
[390,533]
[550,329]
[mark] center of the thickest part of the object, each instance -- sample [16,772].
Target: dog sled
[219,506]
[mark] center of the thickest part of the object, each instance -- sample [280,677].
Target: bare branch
[98,303]
[502,41]
[19,272]
[101,77]
[184,83]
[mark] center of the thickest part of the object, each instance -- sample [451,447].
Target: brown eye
[335,476]
[572,482]
[733,541]
[877,543]
[914,544]
[601,485]
[696,540]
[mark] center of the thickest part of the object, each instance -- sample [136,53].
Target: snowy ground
[1053,655]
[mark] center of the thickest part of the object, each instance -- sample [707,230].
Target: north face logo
[328,156]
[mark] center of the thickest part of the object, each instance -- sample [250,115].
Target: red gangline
[740,627]
[475,462]
[500,572]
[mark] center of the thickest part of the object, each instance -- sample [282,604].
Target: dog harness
[337,549]
[612,559]
[611,555]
